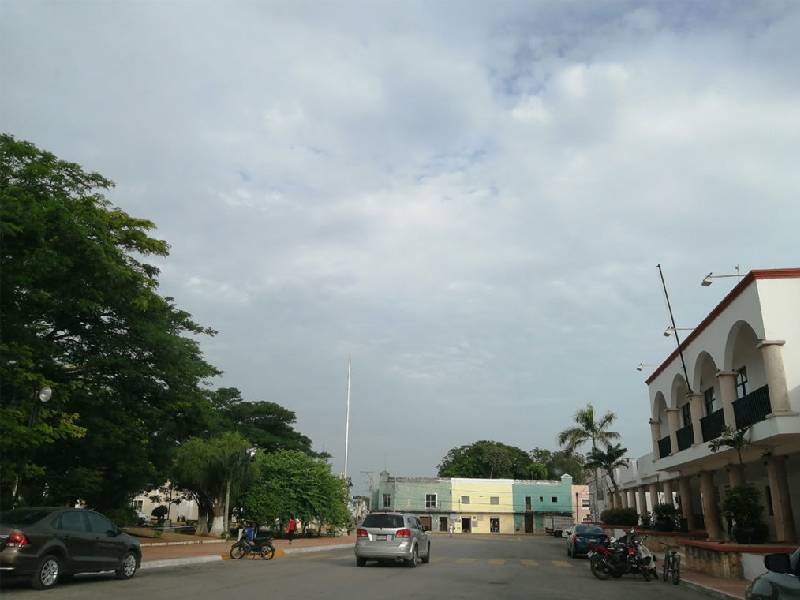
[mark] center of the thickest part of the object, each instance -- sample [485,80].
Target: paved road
[461,568]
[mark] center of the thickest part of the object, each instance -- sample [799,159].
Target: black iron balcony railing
[685,436]
[664,447]
[752,408]
[712,425]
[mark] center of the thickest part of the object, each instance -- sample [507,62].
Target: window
[137,504]
[585,503]
[464,499]
[72,520]
[382,521]
[554,499]
[494,499]
[741,382]
[99,524]
[387,500]
[430,500]
[686,412]
[541,498]
[527,502]
[710,401]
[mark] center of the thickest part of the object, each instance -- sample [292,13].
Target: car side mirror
[778,563]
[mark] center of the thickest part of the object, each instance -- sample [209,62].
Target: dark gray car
[780,582]
[392,537]
[51,544]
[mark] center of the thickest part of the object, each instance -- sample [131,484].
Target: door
[106,545]
[528,522]
[466,525]
[494,525]
[73,531]
[443,524]
[426,523]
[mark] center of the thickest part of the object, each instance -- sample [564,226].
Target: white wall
[781,301]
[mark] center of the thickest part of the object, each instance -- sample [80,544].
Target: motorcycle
[261,546]
[618,557]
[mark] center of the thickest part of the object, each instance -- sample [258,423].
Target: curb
[192,543]
[709,591]
[179,562]
[306,549]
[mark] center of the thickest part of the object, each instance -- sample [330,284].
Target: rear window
[23,516]
[589,529]
[383,521]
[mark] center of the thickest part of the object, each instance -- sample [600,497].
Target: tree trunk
[226,523]
[217,525]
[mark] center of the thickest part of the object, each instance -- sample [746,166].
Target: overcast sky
[469,198]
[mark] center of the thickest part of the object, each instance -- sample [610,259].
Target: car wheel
[47,572]
[427,558]
[127,567]
[361,562]
[414,561]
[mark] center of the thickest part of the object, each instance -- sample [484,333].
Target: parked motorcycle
[259,545]
[618,557]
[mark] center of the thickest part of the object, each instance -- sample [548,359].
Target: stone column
[674,419]
[612,500]
[642,500]
[668,492]
[772,354]
[632,499]
[696,408]
[623,499]
[710,507]
[781,502]
[727,392]
[653,489]
[655,432]
[685,491]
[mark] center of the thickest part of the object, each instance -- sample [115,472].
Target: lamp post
[707,279]
[669,330]
[641,366]
[43,396]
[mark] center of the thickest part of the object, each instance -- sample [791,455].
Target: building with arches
[742,370]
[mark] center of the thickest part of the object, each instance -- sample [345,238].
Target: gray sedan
[392,537]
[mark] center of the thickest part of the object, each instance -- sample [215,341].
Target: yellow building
[483,505]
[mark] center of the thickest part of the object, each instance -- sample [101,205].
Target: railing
[751,409]
[685,436]
[712,425]
[664,447]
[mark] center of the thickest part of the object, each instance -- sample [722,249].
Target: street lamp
[45,394]
[641,366]
[670,330]
[707,279]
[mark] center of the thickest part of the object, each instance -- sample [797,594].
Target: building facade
[742,371]
[471,505]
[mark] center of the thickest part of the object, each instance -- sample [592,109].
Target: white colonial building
[742,369]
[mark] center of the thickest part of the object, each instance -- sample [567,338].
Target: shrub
[742,504]
[647,520]
[665,517]
[122,517]
[620,516]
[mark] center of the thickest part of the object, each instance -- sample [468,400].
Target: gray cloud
[469,200]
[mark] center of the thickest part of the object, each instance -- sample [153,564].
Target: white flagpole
[347,423]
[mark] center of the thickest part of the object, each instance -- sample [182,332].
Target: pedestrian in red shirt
[291,528]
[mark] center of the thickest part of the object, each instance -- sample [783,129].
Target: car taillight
[403,533]
[18,539]
[361,532]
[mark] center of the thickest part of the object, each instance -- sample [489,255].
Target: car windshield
[383,521]
[23,516]
[588,530]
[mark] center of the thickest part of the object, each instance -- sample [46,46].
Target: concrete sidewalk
[179,554]
[716,587]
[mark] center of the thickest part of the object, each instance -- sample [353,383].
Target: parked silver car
[392,537]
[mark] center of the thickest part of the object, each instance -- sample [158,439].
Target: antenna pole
[347,423]
[674,329]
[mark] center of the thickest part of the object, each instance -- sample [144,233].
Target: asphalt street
[461,567]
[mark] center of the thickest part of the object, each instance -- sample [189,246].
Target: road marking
[466,561]
[529,563]
[562,564]
[497,562]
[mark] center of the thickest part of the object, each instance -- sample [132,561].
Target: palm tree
[588,430]
[609,459]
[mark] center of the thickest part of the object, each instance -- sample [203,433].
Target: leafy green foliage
[492,460]
[587,429]
[735,439]
[559,462]
[626,517]
[607,460]
[290,482]
[742,504]
[665,510]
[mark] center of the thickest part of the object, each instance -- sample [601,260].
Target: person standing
[291,528]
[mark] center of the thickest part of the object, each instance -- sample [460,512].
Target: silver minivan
[392,536]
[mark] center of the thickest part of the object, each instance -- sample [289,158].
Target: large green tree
[608,460]
[82,315]
[290,482]
[559,462]
[588,429]
[489,459]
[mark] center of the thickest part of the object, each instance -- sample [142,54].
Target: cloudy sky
[469,198]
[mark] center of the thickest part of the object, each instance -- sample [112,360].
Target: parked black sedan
[52,544]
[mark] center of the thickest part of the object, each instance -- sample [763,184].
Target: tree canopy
[489,459]
[559,462]
[589,429]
